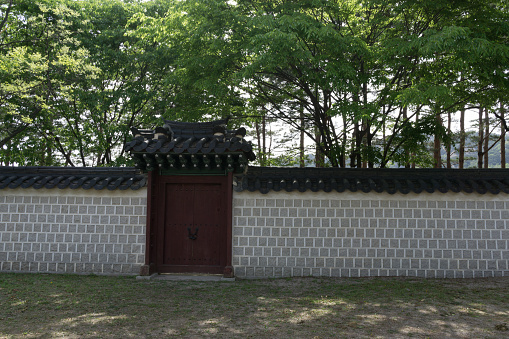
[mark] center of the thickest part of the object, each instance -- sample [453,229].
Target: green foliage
[75,93]
[352,64]
[371,76]
[40,58]
[128,91]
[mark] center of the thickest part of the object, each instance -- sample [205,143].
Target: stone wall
[72,231]
[347,234]
[274,235]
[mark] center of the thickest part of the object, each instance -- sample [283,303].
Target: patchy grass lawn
[70,306]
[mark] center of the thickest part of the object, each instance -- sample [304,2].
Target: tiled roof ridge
[402,180]
[203,140]
[180,128]
[37,177]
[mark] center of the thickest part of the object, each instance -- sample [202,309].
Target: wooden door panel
[206,247]
[178,217]
[193,206]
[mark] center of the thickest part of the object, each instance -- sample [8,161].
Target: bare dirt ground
[52,306]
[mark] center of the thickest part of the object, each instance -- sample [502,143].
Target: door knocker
[194,235]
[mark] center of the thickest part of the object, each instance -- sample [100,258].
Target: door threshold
[185,277]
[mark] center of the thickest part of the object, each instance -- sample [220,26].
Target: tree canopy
[369,82]
[74,80]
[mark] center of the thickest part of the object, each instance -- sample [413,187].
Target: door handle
[194,235]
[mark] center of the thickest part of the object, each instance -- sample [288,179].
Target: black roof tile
[185,137]
[265,179]
[99,178]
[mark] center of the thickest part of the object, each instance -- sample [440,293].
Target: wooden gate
[192,230]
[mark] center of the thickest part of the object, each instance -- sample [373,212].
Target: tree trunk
[6,16]
[461,160]
[364,141]
[358,145]
[344,143]
[486,138]
[407,153]
[7,154]
[384,137]
[260,138]
[301,146]
[437,144]
[413,154]
[319,160]
[502,137]
[481,139]
[259,142]
[264,146]
[46,157]
[352,153]
[448,146]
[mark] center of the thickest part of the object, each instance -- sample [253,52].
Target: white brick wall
[274,235]
[349,234]
[72,231]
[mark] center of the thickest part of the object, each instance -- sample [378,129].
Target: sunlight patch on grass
[504,313]
[266,300]
[210,322]
[19,303]
[429,309]
[91,319]
[309,315]
[440,323]
[330,302]
[170,332]
[372,319]
[413,330]
[217,325]
[288,311]
[300,318]
[56,334]
[211,325]
[459,329]
[471,311]
[321,311]
[58,297]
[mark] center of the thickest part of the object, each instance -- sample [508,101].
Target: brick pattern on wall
[356,235]
[56,231]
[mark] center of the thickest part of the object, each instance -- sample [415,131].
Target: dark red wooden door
[193,236]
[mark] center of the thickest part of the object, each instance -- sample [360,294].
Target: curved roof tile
[397,180]
[72,177]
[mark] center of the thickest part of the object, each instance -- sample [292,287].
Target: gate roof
[184,146]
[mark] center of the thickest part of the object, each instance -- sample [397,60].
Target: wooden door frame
[155,217]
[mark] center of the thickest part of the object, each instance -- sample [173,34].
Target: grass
[38,305]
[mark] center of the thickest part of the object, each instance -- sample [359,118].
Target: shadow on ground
[92,306]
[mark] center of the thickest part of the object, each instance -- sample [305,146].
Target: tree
[39,59]
[86,80]
[355,66]
[131,89]
[368,81]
